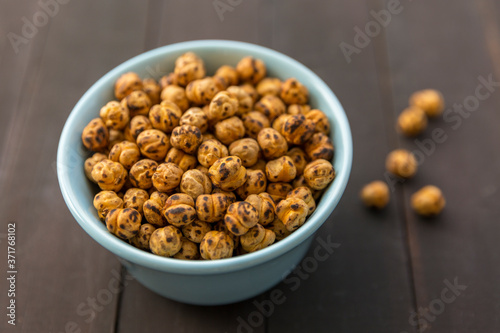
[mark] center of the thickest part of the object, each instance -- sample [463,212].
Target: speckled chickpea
[202,169]
[250,89]
[127,83]
[168,79]
[179,210]
[166,241]
[429,100]
[271,106]
[216,245]
[90,162]
[189,67]
[299,159]
[222,106]
[231,197]
[318,174]
[109,175]
[135,198]
[260,165]
[292,212]
[257,238]
[298,109]
[319,146]
[195,117]
[229,130]
[153,144]
[115,115]
[247,149]
[254,122]
[167,177]
[272,143]
[221,226]
[212,207]
[240,217]
[226,76]
[115,136]
[227,173]
[195,183]
[165,116]
[123,222]
[196,230]
[279,229]
[265,206]
[255,184]
[210,151]
[141,173]
[152,89]
[269,86]
[412,121]
[297,129]
[279,122]
[141,240]
[375,194]
[278,191]
[105,201]
[294,92]
[281,169]
[306,195]
[245,101]
[320,121]
[135,126]
[251,69]
[95,135]
[186,138]
[202,91]
[188,251]
[153,209]
[428,201]
[402,163]
[137,103]
[176,95]
[125,152]
[183,160]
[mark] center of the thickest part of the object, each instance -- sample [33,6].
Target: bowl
[201,282]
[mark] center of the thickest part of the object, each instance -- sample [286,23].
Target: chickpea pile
[208,167]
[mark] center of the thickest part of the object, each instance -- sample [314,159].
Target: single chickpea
[375,194]
[251,70]
[279,122]
[90,162]
[299,159]
[153,209]
[227,173]
[257,238]
[245,101]
[186,138]
[195,117]
[256,183]
[254,122]
[412,121]
[189,67]
[272,143]
[297,129]
[196,230]
[109,175]
[95,135]
[428,201]
[319,146]
[247,149]
[136,125]
[318,174]
[210,151]
[184,161]
[320,121]
[401,163]
[294,92]
[165,116]
[152,89]
[127,83]
[106,201]
[292,212]
[222,106]
[176,95]
[250,90]
[123,222]
[429,100]
[202,91]
[135,198]
[294,109]
[167,80]
[265,206]
[114,115]
[141,173]
[269,86]
[125,152]
[153,144]
[240,217]
[166,241]
[278,191]
[167,177]
[195,183]
[227,76]
[188,251]
[279,229]
[281,169]
[216,245]
[229,130]
[179,210]
[141,240]
[306,195]
[212,207]
[271,106]
[137,103]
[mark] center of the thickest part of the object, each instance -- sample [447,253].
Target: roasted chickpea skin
[227,75]
[123,222]
[196,230]
[135,198]
[251,70]
[137,103]
[222,106]
[402,163]
[95,135]
[153,209]
[428,201]
[306,195]
[318,174]
[269,86]
[125,152]
[255,184]
[153,144]
[136,126]
[299,159]
[271,106]
[141,240]
[245,101]
[186,138]
[298,109]
[105,201]
[292,212]
[429,100]
[195,183]
[247,149]
[216,245]
[202,91]
[257,238]
[141,173]
[167,177]
[375,194]
[227,173]
[152,89]
[265,206]
[294,92]
[320,146]
[90,162]
[176,95]
[166,241]
[189,67]
[188,251]
[229,130]
[272,143]
[165,116]
[126,84]
[195,117]
[212,207]
[179,210]
[320,121]
[297,129]
[281,169]
[279,229]
[278,191]
[240,217]
[109,175]
[412,121]
[254,122]
[183,160]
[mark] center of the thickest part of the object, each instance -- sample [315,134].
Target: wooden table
[392,271]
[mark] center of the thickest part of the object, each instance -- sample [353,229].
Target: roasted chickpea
[216,245]
[188,251]
[222,106]
[166,241]
[195,183]
[195,117]
[298,109]
[165,116]
[402,163]
[212,207]
[90,162]
[105,201]
[123,222]
[229,130]
[137,103]
[208,136]
[293,92]
[167,80]
[318,174]
[279,122]
[292,212]
[320,121]
[271,106]
[135,198]
[202,169]
[228,173]
[189,67]
[428,201]
[141,173]
[412,121]
[210,151]
[152,89]
[127,83]
[278,191]
[186,138]
[202,91]
[257,238]
[247,149]
[245,101]
[251,70]
[260,165]
[306,195]
[167,177]
[250,90]
[320,146]
[153,209]
[265,206]
[95,135]
[136,125]
[240,217]
[176,95]
[196,230]
[153,144]
[255,184]
[254,122]
[183,160]
[375,194]
[272,143]
[299,159]
[429,100]
[269,86]
[141,240]
[109,175]
[125,152]
[279,229]
[227,76]
[179,210]
[297,129]
[115,137]
[281,169]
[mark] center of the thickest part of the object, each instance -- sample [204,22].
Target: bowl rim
[142,258]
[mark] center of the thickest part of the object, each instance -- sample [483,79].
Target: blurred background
[392,271]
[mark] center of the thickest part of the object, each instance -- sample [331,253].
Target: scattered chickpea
[412,121]
[212,207]
[222,106]
[428,201]
[265,206]
[401,163]
[375,194]
[429,100]
[227,173]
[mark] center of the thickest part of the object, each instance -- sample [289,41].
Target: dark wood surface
[388,266]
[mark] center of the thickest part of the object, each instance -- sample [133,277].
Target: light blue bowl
[202,282]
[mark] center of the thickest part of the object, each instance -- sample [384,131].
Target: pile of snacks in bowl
[205,167]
